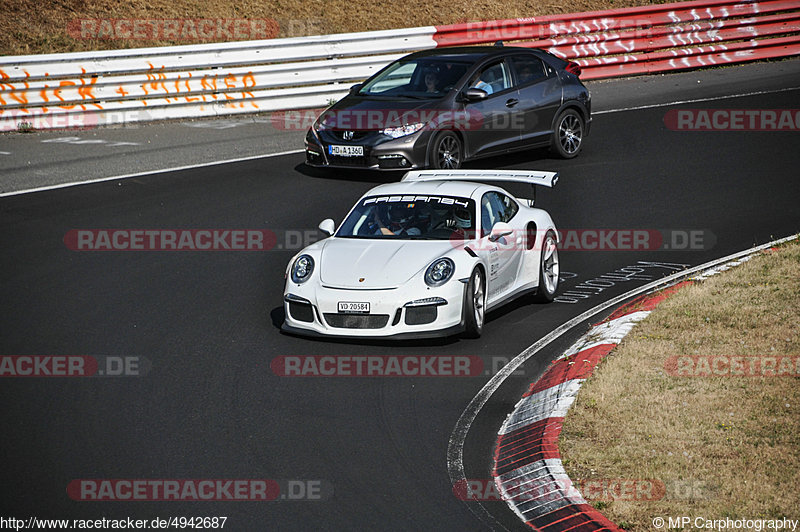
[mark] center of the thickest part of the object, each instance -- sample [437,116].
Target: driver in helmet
[460,221]
[396,219]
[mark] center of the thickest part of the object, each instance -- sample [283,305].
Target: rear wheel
[447,152]
[568,134]
[548,269]
[475,305]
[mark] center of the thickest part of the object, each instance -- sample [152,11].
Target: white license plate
[353,307]
[346,151]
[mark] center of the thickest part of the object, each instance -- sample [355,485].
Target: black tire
[548,269]
[447,151]
[475,305]
[568,133]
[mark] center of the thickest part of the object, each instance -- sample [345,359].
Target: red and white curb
[527,454]
[527,469]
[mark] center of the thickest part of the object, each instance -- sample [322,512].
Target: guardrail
[109,87]
[650,39]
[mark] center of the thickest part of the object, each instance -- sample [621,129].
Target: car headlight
[402,131]
[320,123]
[439,272]
[302,268]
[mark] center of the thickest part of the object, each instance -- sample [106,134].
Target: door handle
[511,102]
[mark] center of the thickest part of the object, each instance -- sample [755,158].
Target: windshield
[423,78]
[411,217]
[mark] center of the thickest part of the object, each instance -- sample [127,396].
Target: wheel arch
[571,104]
[482,267]
[452,129]
[465,307]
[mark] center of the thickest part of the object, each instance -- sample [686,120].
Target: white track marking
[550,402]
[151,172]
[682,102]
[455,447]
[611,332]
[545,478]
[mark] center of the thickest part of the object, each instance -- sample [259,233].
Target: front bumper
[380,152]
[409,335]
[404,312]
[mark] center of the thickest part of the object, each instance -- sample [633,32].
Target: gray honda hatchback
[438,108]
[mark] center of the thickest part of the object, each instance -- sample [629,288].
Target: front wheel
[447,152]
[548,269]
[475,305]
[568,134]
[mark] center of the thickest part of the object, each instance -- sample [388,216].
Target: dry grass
[34,27]
[722,446]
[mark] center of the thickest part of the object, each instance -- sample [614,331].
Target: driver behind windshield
[431,81]
[430,218]
[460,218]
[460,222]
[397,219]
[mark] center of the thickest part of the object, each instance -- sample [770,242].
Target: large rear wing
[532,177]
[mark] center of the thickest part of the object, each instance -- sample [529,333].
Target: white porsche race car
[426,256]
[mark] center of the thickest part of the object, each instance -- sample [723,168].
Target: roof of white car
[462,189]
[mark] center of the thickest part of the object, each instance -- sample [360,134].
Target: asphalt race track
[205,324]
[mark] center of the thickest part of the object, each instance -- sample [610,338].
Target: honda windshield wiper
[415,97]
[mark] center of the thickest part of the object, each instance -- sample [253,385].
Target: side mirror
[327,226]
[499,230]
[355,88]
[475,95]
